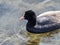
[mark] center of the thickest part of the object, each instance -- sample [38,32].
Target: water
[10,10]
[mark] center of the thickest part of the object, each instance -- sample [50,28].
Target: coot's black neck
[32,22]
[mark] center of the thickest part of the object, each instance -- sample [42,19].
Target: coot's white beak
[21,18]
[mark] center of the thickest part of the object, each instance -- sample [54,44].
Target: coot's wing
[48,18]
[45,20]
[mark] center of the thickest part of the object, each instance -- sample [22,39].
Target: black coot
[45,22]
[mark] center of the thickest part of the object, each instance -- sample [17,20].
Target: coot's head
[30,16]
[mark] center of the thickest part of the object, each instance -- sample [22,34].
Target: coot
[43,23]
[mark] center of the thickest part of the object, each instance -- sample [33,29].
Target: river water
[10,25]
